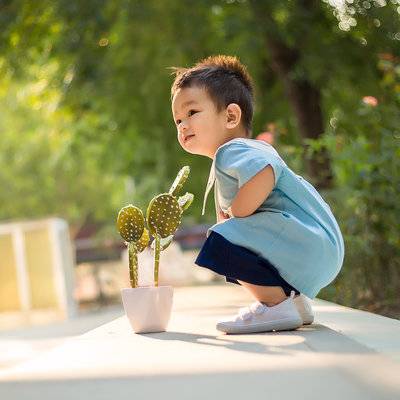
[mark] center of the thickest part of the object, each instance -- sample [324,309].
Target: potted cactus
[148,308]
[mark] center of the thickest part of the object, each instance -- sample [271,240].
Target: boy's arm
[253,193]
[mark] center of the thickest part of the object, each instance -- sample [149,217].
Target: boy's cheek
[180,140]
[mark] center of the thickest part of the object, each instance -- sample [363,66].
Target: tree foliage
[86,125]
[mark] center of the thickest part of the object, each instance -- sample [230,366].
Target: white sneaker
[260,318]
[303,304]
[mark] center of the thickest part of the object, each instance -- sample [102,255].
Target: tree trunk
[305,100]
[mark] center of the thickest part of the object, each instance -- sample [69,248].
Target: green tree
[86,125]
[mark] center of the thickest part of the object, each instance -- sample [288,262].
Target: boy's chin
[196,151]
[190,149]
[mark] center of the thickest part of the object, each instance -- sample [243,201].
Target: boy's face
[201,129]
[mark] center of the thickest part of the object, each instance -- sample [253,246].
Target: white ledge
[346,353]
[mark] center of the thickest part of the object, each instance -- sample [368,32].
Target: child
[274,235]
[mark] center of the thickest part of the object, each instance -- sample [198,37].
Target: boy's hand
[223,215]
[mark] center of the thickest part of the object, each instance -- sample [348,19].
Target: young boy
[274,235]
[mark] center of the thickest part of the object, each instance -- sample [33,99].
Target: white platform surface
[345,354]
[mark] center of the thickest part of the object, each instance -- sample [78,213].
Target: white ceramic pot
[148,308]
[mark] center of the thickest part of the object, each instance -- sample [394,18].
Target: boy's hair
[226,81]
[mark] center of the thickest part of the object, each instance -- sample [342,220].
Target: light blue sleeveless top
[294,228]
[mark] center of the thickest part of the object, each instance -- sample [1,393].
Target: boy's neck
[237,135]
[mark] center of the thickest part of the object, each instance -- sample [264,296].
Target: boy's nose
[182,126]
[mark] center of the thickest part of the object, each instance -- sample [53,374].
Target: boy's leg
[269,295]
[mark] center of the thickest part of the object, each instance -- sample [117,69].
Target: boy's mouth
[187,138]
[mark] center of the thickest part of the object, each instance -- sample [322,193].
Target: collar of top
[211,177]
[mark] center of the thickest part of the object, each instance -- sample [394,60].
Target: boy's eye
[190,113]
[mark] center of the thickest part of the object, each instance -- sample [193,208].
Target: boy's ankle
[274,303]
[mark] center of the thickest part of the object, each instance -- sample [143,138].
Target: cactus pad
[179,181]
[164,243]
[163,215]
[130,223]
[143,241]
[185,201]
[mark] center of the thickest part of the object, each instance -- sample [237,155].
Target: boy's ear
[233,115]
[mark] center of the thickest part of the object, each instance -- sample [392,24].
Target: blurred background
[86,128]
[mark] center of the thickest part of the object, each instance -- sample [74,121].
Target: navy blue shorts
[238,263]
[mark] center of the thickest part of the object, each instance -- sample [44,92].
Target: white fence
[36,267]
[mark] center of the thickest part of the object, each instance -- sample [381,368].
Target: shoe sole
[286,324]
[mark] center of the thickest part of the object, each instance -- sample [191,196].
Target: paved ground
[345,354]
